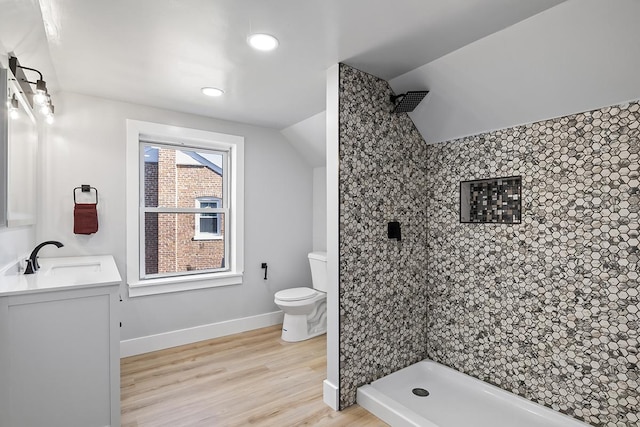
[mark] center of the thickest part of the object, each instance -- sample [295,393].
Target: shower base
[428,394]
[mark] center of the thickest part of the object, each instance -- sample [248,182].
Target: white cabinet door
[59,349]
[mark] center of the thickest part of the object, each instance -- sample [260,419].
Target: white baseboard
[170,339]
[330,395]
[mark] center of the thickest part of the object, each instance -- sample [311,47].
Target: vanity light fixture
[44,108]
[212,91]
[14,113]
[264,42]
[49,115]
[41,95]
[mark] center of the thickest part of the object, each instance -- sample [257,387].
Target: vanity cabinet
[59,355]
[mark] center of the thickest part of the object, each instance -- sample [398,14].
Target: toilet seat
[295,294]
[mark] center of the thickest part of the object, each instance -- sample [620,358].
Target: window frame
[144,143]
[180,138]
[204,235]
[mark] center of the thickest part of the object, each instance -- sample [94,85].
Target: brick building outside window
[178,242]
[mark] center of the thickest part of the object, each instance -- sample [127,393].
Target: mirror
[19,147]
[4,117]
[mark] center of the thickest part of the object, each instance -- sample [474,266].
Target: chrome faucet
[32,262]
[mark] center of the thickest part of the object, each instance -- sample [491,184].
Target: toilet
[305,309]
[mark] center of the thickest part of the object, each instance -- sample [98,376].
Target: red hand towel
[85,218]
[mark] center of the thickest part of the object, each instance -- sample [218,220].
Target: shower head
[408,101]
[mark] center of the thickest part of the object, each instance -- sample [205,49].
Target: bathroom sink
[62,273]
[75,268]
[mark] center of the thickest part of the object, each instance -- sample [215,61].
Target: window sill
[209,237]
[167,285]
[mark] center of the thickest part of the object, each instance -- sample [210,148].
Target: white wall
[15,244]
[87,146]
[320,209]
[331,392]
[577,56]
[309,138]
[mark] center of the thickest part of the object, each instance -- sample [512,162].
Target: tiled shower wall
[549,308]
[383,178]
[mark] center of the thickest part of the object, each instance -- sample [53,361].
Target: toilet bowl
[305,309]
[305,313]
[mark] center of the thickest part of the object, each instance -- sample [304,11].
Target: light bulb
[212,91]
[40,98]
[13,107]
[263,42]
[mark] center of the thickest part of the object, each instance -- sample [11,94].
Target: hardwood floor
[249,379]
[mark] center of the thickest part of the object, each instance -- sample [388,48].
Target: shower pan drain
[420,392]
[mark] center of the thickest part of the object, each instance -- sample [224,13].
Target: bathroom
[474,90]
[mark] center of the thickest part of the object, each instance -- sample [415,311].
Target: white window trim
[200,235]
[174,135]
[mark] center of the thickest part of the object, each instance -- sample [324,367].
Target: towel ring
[84,189]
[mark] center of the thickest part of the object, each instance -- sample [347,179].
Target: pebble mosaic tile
[547,308]
[382,281]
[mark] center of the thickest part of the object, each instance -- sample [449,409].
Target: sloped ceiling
[22,34]
[578,56]
[488,63]
[161,52]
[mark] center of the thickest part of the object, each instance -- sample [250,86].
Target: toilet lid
[295,294]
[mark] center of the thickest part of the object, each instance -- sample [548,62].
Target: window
[174,178]
[184,209]
[207,223]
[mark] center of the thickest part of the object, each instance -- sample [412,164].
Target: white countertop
[63,273]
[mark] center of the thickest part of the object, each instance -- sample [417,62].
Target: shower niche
[493,200]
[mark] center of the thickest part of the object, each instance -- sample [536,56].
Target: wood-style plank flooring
[249,379]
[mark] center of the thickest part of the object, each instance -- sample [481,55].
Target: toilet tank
[318,264]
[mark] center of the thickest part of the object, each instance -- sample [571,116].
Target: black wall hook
[264,265]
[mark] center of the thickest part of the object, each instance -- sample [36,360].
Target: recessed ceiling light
[212,91]
[263,41]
